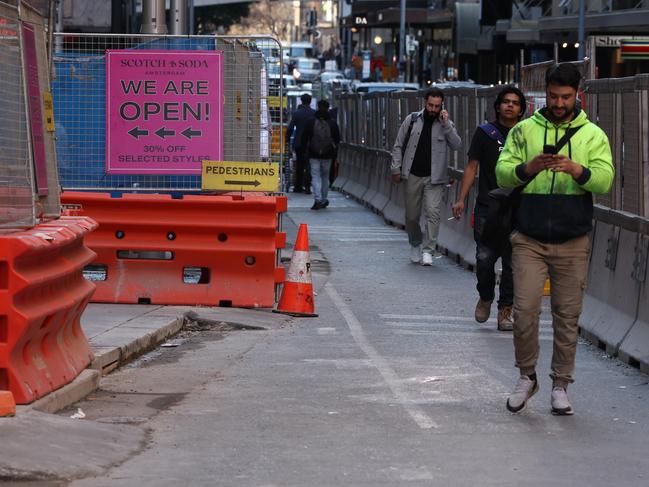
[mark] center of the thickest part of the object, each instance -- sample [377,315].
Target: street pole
[582,38]
[402,41]
[178,17]
[192,19]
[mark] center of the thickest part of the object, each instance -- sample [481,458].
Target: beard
[430,116]
[562,115]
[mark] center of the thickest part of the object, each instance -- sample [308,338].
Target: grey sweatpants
[420,192]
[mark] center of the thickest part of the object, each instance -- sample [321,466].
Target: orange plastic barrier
[198,250]
[42,296]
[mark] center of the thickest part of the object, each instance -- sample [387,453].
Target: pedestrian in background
[301,117]
[487,143]
[321,139]
[562,158]
[420,158]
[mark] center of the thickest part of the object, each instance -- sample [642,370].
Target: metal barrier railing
[619,106]
[171,103]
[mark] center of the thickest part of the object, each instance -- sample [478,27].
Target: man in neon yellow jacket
[551,227]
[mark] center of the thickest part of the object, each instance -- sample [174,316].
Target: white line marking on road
[370,239]
[390,377]
[326,330]
[457,326]
[436,319]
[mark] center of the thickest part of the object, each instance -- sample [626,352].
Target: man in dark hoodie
[551,227]
[487,144]
[321,139]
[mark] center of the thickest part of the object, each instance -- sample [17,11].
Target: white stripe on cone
[300,268]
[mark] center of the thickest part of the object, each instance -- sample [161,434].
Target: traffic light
[312,18]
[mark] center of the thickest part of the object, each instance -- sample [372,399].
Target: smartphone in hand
[549,149]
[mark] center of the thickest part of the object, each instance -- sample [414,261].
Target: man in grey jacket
[420,158]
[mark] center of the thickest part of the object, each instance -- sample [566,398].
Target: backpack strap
[493,133]
[413,119]
[566,137]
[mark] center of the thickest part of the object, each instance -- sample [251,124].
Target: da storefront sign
[164,111]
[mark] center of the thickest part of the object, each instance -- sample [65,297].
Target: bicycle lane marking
[389,376]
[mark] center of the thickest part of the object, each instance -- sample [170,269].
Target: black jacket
[335,135]
[301,117]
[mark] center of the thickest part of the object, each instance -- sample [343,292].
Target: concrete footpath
[118,334]
[54,448]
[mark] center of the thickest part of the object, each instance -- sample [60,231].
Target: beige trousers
[421,192]
[566,264]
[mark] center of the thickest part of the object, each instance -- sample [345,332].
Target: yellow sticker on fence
[240,176]
[48,108]
[273,102]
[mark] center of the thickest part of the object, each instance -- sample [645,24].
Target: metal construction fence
[616,303]
[28,178]
[139,112]
[619,106]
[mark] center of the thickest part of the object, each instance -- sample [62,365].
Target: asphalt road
[393,384]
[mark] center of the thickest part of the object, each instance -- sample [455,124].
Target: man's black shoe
[325,204]
[316,206]
[298,190]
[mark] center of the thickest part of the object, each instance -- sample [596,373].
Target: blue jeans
[320,178]
[486,258]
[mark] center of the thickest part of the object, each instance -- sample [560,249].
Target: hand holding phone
[550,149]
[443,115]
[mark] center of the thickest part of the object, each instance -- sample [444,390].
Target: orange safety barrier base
[42,296]
[197,250]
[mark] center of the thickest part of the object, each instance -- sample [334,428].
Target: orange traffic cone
[297,294]
[7,404]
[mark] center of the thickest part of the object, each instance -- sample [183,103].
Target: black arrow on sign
[189,133]
[136,132]
[162,132]
[244,183]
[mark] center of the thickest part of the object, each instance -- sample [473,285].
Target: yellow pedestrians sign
[273,102]
[240,176]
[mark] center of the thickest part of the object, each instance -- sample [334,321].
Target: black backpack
[321,143]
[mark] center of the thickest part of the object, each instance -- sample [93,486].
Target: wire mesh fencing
[141,112]
[16,191]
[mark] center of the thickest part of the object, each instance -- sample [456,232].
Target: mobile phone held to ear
[549,149]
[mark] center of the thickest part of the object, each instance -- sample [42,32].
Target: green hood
[554,206]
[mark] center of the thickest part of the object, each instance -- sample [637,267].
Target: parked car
[288,83]
[306,69]
[335,78]
[301,49]
[371,87]
[273,66]
[324,86]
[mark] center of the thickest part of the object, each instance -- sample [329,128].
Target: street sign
[273,102]
[634,50]
[241,176]
[164,111]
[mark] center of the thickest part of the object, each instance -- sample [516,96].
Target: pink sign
[164,111]
[34,103]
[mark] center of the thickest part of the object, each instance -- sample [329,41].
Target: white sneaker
[415,254]
[525,388]
[426,258]
[560,403]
